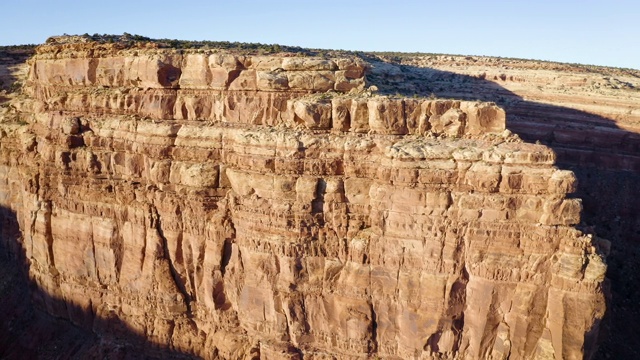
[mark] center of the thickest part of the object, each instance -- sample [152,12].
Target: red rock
[242,215]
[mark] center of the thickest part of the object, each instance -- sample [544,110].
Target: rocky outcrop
[589,116]
[240,206]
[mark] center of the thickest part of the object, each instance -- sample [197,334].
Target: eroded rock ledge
[236,206]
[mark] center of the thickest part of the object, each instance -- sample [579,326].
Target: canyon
[222,204]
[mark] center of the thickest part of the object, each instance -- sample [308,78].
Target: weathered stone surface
[235,223]
[313,114]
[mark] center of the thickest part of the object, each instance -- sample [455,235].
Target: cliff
[232,205]
[589,116]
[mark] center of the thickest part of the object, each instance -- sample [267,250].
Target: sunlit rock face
[243,206]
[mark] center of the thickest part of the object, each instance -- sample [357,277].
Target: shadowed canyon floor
[237,205]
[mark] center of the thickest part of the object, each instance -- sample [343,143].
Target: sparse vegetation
[17,50]
[242,47]
[388,56]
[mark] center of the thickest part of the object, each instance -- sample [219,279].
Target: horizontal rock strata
[220,205]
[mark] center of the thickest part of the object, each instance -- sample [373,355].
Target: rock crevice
[229,206]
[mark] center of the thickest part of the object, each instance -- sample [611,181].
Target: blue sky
[603,32]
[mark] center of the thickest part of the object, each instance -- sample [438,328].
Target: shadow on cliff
[604,157]
[11,56]
[28,331]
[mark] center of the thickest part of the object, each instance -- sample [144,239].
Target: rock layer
[228,207]
[589,116]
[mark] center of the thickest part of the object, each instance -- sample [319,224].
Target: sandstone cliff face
[589,116]
[228,207]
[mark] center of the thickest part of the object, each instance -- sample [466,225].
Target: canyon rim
[162,201]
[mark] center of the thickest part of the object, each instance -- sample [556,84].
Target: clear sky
[605,32]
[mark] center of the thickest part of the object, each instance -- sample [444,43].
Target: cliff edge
[235,205]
